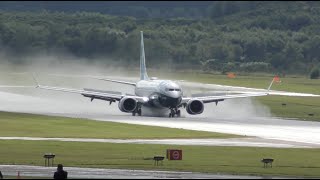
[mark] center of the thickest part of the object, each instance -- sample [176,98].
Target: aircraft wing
[209,99]
[94,94]
[243,93]
[270,92]
[283,93]
[98,78]
[112,80]
[87,93]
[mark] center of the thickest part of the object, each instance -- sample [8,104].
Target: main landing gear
[137,111]
[174,112]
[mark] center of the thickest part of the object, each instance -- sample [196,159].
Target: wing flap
[209,99]
[116,81]
[217,98]
[86,93]
[103,91]
[95,94]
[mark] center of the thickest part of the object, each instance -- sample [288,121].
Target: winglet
[276,79]
[270,84]
[35,79]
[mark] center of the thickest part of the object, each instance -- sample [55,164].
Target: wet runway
[240,116]
[96,173]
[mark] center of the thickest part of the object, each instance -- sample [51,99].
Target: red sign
[174,154]
[231,75]
[277,79]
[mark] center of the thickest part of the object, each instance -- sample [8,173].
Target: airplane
[153,93]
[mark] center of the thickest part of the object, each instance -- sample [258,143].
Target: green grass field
[30,125]
[296,107]
[230,160]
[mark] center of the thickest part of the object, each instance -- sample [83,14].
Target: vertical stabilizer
[143,71]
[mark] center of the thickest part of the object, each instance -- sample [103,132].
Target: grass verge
[31,125]
[230,160]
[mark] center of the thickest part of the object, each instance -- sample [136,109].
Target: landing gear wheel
[178,113]
[172,113]
[139,112]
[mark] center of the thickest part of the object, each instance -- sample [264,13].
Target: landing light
[153,78]
[145,99]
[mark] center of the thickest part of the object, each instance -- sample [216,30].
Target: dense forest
[281,37]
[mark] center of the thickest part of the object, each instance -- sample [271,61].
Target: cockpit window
[173,89]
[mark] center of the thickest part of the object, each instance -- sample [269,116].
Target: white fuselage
[162,93]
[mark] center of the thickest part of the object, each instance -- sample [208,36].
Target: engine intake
[195,107]
[127,104]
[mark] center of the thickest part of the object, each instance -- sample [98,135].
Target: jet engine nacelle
[195,107]
[127,104]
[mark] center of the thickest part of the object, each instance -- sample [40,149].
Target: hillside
[236,36]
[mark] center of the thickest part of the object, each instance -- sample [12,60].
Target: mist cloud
[65,64]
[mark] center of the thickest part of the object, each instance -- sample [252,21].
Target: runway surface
[239,116]
[96,173]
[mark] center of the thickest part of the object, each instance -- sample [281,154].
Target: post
[47,159]
[157,159]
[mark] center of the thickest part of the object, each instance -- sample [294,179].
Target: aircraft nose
[175,94]
[174,102]
[169,101]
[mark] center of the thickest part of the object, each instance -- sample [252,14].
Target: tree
[254,48]
[312,48]
[315,73]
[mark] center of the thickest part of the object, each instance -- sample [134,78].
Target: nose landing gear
[137,111]
[174,112]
